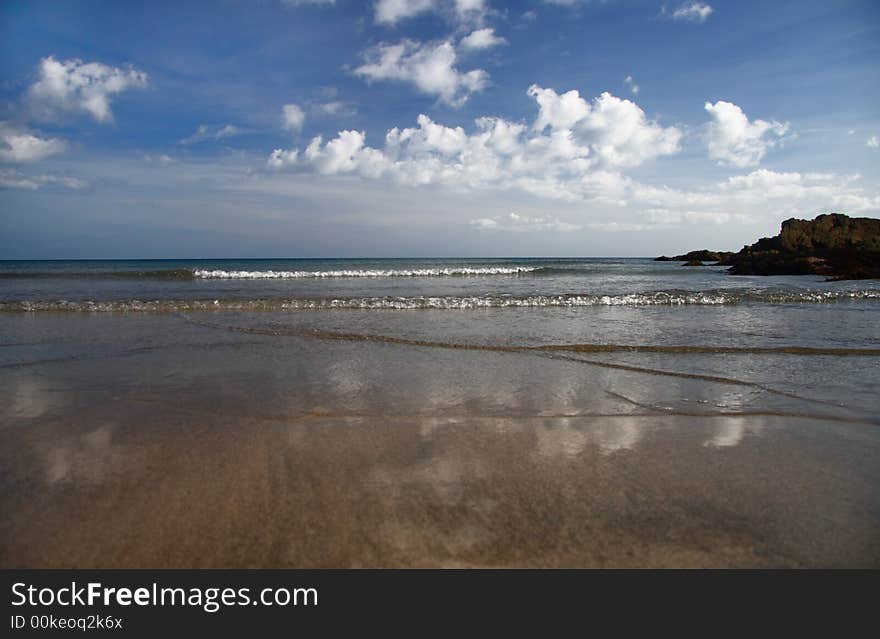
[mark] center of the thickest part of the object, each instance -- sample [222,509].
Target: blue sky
[623,127]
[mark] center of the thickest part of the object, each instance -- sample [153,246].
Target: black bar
[547,601]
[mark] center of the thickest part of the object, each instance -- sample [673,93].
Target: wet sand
[240,449]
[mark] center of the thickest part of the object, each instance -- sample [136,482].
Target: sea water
[436,412]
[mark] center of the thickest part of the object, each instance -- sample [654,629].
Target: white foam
[420,272]
[452,302]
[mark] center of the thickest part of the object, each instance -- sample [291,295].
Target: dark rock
[725,258]
[699,256]
[694,263]
[833,245]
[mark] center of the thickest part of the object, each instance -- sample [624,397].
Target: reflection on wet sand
[337,490]
[28,398]
[731,430]
[563,437]
[301,453]
[86,459]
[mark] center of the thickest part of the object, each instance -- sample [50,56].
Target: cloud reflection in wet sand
[301,453]
[86,458]
[29,398]
[731,430]
[565,437]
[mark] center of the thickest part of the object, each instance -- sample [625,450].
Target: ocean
[436,412]
[405,284]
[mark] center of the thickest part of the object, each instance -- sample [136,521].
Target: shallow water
[745,433]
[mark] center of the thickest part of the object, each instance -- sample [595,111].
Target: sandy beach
[153,441]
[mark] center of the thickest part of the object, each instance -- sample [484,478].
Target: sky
[404,128]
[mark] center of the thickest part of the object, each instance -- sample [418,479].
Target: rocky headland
[834,245]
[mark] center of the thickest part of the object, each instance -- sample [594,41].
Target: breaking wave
[451,302]
[418,272]
[222,274]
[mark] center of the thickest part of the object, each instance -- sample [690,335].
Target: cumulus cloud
[523,223]
[390,12]
[873,142]
[574,151]
[567,152]
[293,117]
[19,146]
[206,132]
[633,87]
[691,12]
[733,140]
[11,179]
[346,153]
[558,111]
[430,67]
[72,86]
[481,39]
[616,131]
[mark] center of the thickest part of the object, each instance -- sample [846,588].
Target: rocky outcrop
[697,256]
[834,245]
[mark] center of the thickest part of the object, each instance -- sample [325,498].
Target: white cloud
[280,158]
[346,153]
[633,87]
[18,146]
[570,161]
[692,12]
[605,201]
[558,111]
[731,139]
[471,11]
[464,12]
[11,179]
[617,131]
[206,132]
[574,152]
[392,11]
[228,131]
[73,86]
[482,39]
[335,108]
[293,117]
[802,193]
[873,142]
[523,224]
[761,194]
[430,67]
